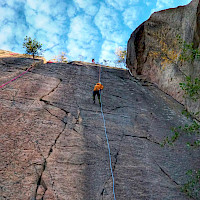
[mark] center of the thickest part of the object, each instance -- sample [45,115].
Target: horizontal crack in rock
[143,137]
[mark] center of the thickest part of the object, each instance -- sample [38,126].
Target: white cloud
[45,8]
[71,11]
[107,21]
[108,51]
[6,13]
[91,10]
[82,29]
[75,49]
[6,34]
[148,3]
[110,24]
[130,15]
[90,6]
[121,5]
[33,4]
[163,4]
[10,2]
[82,38]
[41,21]
[81,26]
[84,4]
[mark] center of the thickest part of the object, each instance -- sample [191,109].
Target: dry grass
[5,54]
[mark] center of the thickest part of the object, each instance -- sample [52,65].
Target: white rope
[130,71]
[110,159]
[108,148]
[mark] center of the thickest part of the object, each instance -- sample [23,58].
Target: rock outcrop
[53,145]
[164,26]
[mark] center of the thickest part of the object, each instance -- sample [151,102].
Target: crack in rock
[143,137]
[114,166]
[117,154]
[49,103]
[40,181]
[78,121]
[51,91]
[164,172]
[118,107]
[55,141]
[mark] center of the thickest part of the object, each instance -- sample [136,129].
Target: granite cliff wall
[166,24]
[53,145]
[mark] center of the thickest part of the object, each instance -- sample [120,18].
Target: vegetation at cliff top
[121,55]
[61,58]
[32,46]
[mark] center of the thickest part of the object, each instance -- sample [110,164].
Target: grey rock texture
[53,145]
[185,21]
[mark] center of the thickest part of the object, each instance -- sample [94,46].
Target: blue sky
[84,29]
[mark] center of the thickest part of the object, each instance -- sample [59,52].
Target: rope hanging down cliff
[29,69]
[1,86]
[107,139]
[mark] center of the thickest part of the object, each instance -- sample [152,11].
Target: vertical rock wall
[185,21]
[53,145]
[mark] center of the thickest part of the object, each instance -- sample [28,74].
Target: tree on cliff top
[121,55]
[32,46]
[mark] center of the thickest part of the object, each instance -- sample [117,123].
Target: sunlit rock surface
[53,145]
[185,21]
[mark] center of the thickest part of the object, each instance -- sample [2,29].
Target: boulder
[163,27]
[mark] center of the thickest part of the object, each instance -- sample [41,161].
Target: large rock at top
[185,21]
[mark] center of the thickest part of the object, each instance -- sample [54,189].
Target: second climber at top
[97,89]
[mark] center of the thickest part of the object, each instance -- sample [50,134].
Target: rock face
[53,145]
[166,25]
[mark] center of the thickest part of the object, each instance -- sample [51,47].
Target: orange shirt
[98,87]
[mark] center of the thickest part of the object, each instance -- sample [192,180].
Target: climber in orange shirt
[97,89]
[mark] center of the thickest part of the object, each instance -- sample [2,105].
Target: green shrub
[32,46]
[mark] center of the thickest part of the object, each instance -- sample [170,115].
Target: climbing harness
[107,138]
[16,77]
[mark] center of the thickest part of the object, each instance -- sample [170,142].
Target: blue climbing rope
[107,140]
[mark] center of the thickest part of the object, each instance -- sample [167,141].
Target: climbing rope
[100,73]
[130,72]
[110,159]
[16,77]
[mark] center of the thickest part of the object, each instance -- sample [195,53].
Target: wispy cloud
[107,51]
[83,38]
[121,5]
[110,24]
[90,6]
[71,11]
[90,28]
[130,16]
[164,4]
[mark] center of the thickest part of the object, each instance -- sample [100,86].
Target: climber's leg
[98,94]
[94,94]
